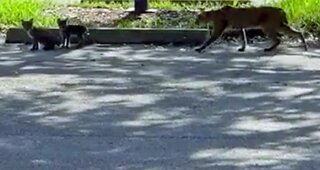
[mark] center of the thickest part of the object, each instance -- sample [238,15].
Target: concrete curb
[130,36]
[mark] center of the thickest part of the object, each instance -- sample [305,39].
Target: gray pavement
[141,107]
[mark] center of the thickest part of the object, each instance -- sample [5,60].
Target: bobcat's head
[62,23]
[27,25]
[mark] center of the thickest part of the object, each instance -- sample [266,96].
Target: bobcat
[272,20]
[67,30]
[44,36]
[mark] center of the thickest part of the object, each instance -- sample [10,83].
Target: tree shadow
[153,107]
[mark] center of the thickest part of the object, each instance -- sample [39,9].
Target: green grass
[304,14]
[105,4]
[13,11]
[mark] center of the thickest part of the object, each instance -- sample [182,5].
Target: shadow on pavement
[151,107]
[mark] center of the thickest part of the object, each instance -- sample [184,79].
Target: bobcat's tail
[88,38]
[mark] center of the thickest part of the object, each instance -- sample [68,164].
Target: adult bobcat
[271,19]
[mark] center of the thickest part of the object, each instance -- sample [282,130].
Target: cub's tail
[88,38]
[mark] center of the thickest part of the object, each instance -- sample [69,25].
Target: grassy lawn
[13,11]
[304,14]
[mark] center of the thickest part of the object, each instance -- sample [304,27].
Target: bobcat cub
[67,30]
[40,35]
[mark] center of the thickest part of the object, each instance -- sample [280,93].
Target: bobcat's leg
[217,32]
[63,40]
[272,34]
[286,29]
[67,40]
[35,45]
[244,40]
[81,40]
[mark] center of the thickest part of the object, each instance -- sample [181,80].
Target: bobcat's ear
[202,9]
[58,20]
[31,20]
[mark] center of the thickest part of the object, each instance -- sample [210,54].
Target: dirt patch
[103,17]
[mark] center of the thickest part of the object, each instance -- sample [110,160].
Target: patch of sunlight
[117,70]
[249,95]
[315,135]
[251,124]
[110,151]
[75,55]
[54,120]
[247,156]
[176,123]
[139,133]
[10,54]
[266,71]
[74,102]
[36,82]
[150,115]
[291,92]
[10,63]
[35,67]
[154,71]
[112,80]
[167,118]
[40,162]
[190,58]
[295,139]
[85,131]
[169,123]
[245,60]
[102,83]
[38,113]
[130,100]
[189,83]
[294,61]
[134,55]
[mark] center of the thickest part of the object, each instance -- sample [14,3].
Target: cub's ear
[31,20]
[202,9]
[58,20]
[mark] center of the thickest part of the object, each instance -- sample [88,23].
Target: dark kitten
[67,30]
[40,35]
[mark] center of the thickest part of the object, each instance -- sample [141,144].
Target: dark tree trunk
[140,6]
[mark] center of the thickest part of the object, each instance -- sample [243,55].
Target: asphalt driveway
[143,107]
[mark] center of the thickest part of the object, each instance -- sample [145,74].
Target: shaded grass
[303,14]
[105,4]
